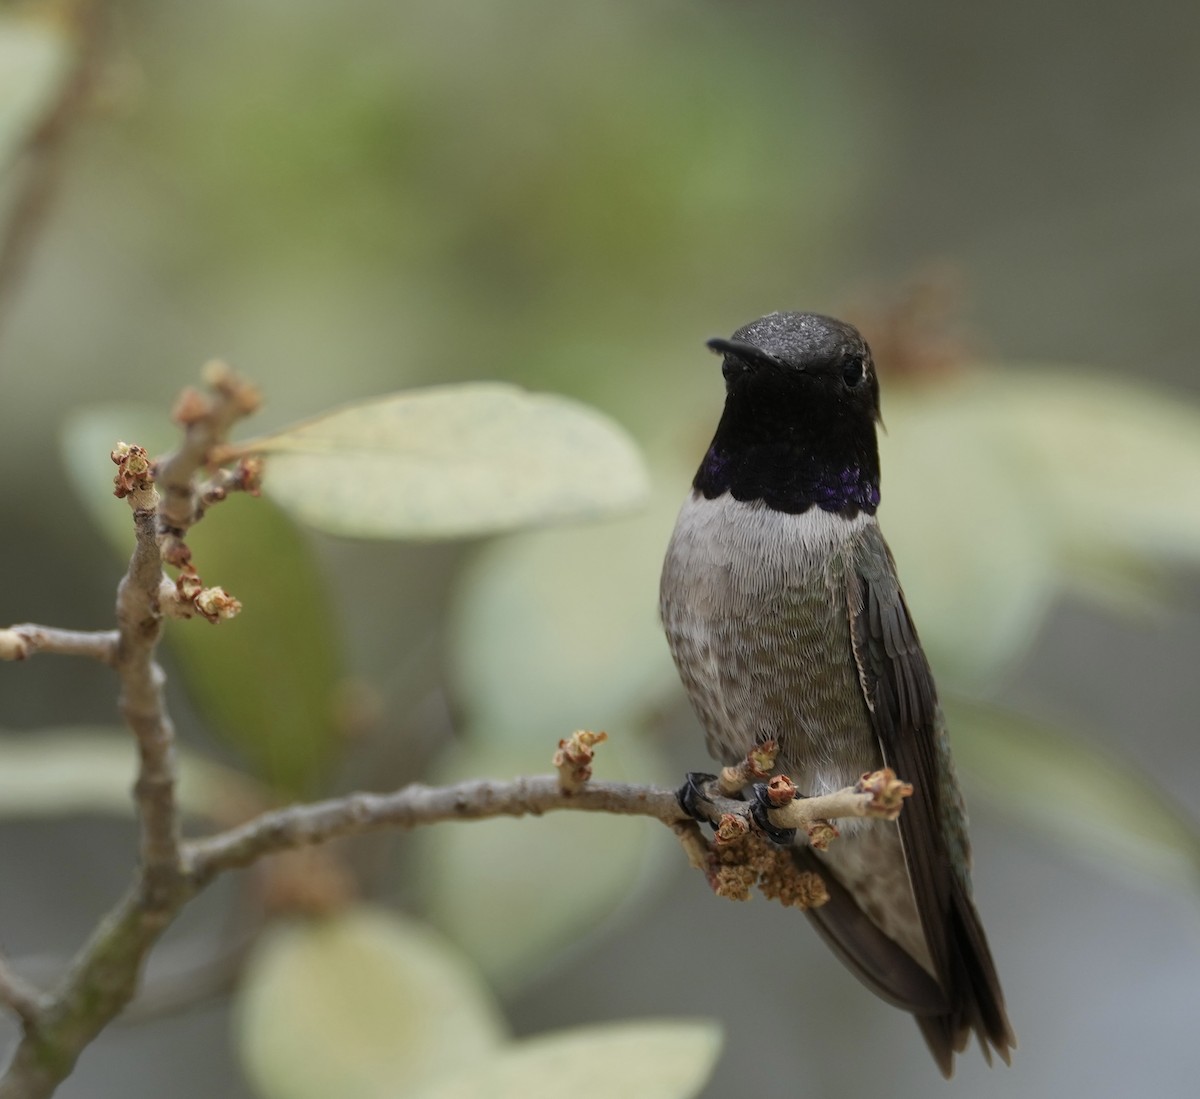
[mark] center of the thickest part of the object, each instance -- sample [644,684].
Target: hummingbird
[786,620]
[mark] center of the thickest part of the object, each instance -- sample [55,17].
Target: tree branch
[303,825]
[102,980]
[24,999]
[43,152]
[19,642]
[355,814]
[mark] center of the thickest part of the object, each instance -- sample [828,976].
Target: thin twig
[43,152]
[19,994]
[19,642]
[205,423]
[354,814]
[302,825]
[140,623]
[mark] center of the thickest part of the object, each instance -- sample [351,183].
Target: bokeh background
[349,199]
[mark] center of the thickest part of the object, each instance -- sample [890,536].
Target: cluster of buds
[135,471]
[192,597]
[742,858]
[233,397]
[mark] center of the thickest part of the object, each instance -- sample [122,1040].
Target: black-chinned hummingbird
[786,620]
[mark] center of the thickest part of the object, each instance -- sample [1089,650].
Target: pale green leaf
[452,461]
[1118,464]
[33,61]
[361,1005]
[267,679]
[58,771]
[646,1059]
[557,630]
[974,558]
[1074,793]
[517,894]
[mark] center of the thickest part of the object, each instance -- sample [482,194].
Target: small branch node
[13,646]
[191,406]
[573,760]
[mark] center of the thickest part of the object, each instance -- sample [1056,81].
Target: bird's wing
[900,695]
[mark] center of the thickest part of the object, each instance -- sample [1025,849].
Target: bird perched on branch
[786,620]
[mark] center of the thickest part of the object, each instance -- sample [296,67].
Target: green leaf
[1118,464]
[976,563]
[33,61]
[1075,794]
[267,679]
[58,771]
[553,631]
[452,461]
[649,1059]
[517,894]
[362,1005]
[558,630]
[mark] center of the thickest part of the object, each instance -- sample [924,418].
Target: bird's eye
[852,371]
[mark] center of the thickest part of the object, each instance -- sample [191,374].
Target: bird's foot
[695,796]
[761,804]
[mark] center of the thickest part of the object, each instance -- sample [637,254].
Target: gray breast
[754,606]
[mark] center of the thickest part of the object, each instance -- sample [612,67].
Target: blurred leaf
[56,772]
[553,631]
[33,61]
[515,894]
[452,461]
[648,1059]
[975,562]
[362,1005]
[557,630]
[1005,486]
[1074,793]
[1118,464]
[267,679]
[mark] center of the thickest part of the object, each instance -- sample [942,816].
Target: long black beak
[743,352]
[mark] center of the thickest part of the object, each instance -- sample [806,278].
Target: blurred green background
[348,199]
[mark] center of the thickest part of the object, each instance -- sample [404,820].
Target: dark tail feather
[973,1002]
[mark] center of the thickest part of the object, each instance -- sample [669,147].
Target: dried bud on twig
[134,471]
[821,833]
[888,793]
[757,765]
[780,790]
[221,377]
[573,760]
[217,603]
[191,406]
